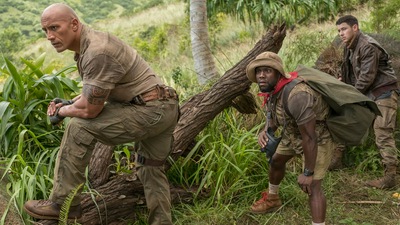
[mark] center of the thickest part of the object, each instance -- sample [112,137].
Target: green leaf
[30,107]
[19,86]
[33,67]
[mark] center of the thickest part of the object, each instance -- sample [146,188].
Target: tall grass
[28,143]
[225,166]
[229,172]
[223,161]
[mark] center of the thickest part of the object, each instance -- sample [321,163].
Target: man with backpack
[367,67]
[304,133]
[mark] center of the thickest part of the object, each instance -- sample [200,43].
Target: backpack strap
[286,91]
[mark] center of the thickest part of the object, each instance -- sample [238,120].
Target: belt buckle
[141,159]
[138,100]
[161,92]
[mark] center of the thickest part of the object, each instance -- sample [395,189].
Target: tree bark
[115,199]
[203,58]
[203,107]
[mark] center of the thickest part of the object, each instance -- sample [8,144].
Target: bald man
[122,101]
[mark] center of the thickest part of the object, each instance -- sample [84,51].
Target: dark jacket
[367,67]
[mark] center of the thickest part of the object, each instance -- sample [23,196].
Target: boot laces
[263,198]
[44,202]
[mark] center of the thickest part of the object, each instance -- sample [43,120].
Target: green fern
[67,204]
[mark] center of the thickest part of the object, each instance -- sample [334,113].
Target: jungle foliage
[20,19]
[226,162]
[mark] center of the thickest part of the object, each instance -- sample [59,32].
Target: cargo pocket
[83,139]
[150,114]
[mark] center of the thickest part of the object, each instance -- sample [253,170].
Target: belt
[149,162]
[157,93]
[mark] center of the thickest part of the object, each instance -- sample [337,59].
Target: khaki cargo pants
[384,128]
[150,127]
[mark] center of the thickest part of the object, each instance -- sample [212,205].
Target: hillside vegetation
[20,19]
[159,30]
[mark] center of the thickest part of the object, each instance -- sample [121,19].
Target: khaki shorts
[324,157]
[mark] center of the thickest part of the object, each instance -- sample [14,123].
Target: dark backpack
[352,113]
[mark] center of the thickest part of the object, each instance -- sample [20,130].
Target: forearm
[72,111]
[87,105]
[310,150]
[309,143]
[80,109]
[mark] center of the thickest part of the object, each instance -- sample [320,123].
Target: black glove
[63,101]
[56,118]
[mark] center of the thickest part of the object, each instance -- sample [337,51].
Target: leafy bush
[152,42]
[28,143]
[10,42]
[305,48]
[24,99]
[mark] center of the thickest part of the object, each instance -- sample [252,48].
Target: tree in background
[269,12]
[203,59]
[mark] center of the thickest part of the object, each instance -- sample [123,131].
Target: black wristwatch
[308,173]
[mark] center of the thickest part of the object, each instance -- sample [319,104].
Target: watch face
[308,173]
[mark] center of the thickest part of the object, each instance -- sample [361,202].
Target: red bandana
[281,83]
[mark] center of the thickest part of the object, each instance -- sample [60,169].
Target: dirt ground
[12,217]
[355,203]
[349,202]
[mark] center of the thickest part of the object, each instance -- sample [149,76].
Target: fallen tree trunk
[202,108]
[115,198]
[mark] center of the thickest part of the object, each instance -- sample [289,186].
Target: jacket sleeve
[368,67]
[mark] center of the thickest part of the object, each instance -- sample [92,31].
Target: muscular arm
[309,143]
[310,148]
[369,61]
[300,106]
[88,105]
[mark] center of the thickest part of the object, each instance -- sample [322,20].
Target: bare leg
[317,202]
[278,168]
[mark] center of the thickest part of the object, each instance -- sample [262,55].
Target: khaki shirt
[107,62]
[304,104]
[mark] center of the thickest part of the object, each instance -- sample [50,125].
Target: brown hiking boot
[336,163]
[268,203]
[48,210]
[387,181]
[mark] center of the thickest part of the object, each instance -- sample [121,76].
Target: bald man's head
[61,10]
[62,27]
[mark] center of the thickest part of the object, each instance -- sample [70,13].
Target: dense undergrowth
[225,165]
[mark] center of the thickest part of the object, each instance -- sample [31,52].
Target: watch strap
[308,172]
